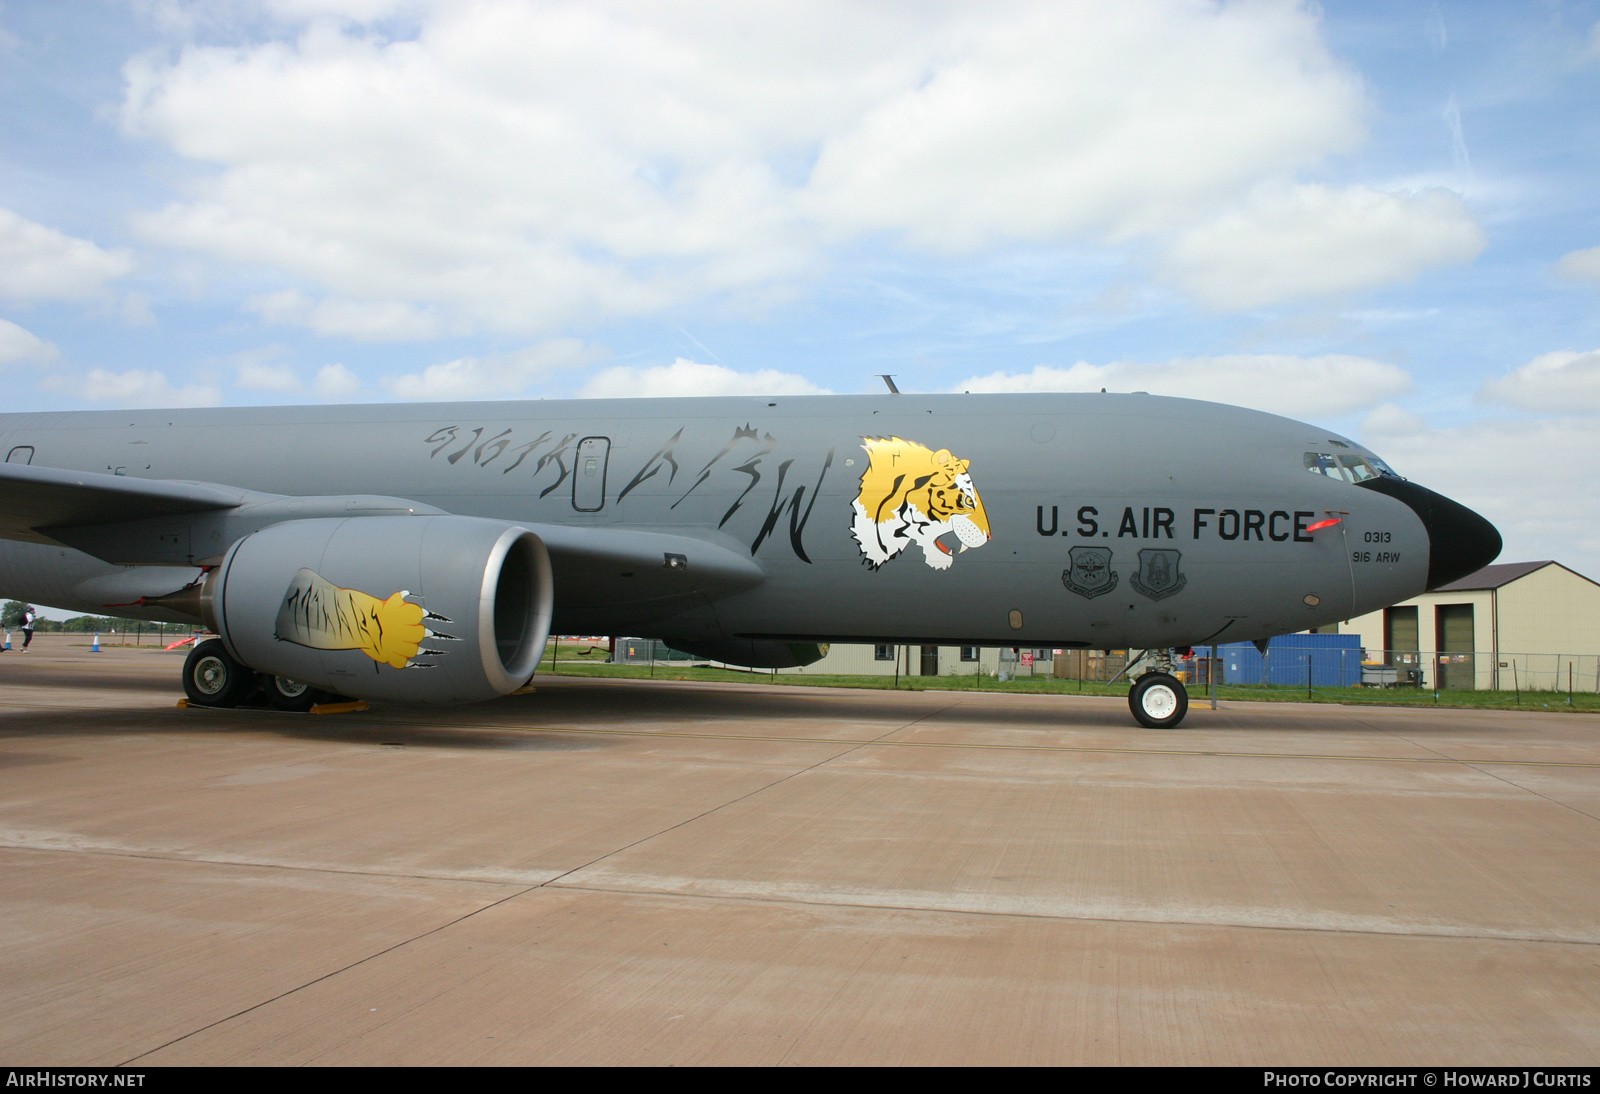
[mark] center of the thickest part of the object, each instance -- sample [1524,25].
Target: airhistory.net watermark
[52,1078]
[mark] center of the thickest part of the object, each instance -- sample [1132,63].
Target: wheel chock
[340,708]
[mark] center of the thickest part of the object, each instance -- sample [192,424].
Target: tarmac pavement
[656,872]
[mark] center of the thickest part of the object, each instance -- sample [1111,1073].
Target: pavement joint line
[1530,790]
[512,896]
[730,802]
[881,743]
[658,894]
[1479,766]
[886,907]
[326,976]
[877,741]
[253,864]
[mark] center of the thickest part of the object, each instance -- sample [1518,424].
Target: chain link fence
[1395,673]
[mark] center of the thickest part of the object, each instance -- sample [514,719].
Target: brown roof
[1498,575]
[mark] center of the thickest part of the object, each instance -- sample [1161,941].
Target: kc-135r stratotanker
[425,552]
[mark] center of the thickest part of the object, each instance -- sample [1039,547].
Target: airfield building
[1513,624]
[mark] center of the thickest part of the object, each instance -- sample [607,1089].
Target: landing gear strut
[1158,700]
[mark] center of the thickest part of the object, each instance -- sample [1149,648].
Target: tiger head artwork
[912,494]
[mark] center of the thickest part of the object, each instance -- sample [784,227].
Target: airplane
[424,552]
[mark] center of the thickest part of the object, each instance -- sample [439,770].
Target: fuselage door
[589,479]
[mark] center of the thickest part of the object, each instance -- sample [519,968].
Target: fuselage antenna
[889,379]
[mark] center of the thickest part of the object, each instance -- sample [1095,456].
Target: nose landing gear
[1158,701]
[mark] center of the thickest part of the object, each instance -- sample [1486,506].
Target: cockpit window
[1357,468]
[1321,463]
[1346,468]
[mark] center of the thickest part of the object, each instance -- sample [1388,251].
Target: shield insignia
[1158,576]
[1090,574]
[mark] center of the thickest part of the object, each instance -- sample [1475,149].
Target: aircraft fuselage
[1101,521]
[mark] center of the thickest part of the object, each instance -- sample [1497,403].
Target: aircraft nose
[1460,541]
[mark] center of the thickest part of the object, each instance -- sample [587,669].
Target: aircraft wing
[39,497]
[127,521]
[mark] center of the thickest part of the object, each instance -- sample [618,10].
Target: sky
[1382,218]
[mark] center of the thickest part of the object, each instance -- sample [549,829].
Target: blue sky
[1382,218]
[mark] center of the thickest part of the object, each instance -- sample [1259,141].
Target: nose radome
[1460,541]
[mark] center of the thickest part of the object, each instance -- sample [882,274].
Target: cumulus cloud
[363,320]
[1106,119]
[685,377]
[39,263]
[1293,243]
[335,380]
[1302,387]
[135,388]
[1563,382]
[260,374]
[1580,265]
[515,166]
[488,377]
[1389,419]
[1523,475]
[18,345]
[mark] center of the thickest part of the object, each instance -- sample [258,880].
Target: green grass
[1048,685]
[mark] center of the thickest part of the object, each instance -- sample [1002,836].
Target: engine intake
[433,609]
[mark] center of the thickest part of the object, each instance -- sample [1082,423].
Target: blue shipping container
[1334,660]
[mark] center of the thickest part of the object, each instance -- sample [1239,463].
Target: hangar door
[1453,627]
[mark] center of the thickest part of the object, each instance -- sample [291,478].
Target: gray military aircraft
[424,552]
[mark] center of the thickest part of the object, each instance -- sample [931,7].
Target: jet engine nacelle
[433,609]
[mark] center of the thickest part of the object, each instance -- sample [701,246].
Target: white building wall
[1538,623]
[1550,611]
[855,659]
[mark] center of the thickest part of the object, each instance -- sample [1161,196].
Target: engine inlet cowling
[429,609]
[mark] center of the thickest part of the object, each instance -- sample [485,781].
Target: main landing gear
[212,678]
[1158,700]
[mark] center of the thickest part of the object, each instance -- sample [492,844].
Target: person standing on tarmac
[28,616]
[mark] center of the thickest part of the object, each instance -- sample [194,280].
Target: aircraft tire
[291,695]
[1158,701]
[212,678]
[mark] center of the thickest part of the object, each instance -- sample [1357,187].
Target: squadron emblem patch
[1158,576]
[1090,574]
